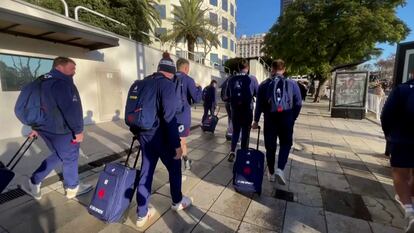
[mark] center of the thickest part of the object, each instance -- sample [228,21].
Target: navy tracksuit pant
[278,126]
[208,111]
[153,149]
[63,152]
[242,121]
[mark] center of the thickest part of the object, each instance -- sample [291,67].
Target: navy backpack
[141,105]
[29,109]
[240,94]
[281,94]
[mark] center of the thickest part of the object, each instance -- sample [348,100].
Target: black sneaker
[232,155]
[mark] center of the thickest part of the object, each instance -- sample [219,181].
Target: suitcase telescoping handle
[218,111]
[18,152]
[258,138]
[130,152]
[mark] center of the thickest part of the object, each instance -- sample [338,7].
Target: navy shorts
[183,131]
[402,155]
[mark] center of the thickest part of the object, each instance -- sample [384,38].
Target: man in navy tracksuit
[188,92]
[63,131]
[162,142]
[279,123]
[241,90]
[397,123]
[210,100]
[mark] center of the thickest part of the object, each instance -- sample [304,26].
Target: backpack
[280,95]
[179,90]
[29,109]
[223,93]
[240,94]
[141,106]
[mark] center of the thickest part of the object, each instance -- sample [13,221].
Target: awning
[42,28]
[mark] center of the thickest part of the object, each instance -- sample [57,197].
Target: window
[232,45]
[214,19]
[232,28]
[158,32]
[225,5]
[214,58]
[17,71]
[225,58]
[225,24]
[161,10]
[232,9]
[213,2]
[199,40]
[224,42]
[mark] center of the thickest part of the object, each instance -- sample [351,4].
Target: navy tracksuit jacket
[277,124]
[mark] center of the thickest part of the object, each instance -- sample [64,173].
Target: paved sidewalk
[339,180]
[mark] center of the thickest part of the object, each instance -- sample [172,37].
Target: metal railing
[78,8]
[65,5]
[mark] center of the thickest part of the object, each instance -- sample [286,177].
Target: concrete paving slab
[333,181]
[304,175]
[380,228]
[221,175]
[329,166]
[212,222]
[187,185]
[300,218]
[199,169]
[182,221]
[205,194]
[384,212]
[266,212]
[307,195]
[250,228]
[340,223]
[231,204]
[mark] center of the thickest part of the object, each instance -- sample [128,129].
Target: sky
[258,16]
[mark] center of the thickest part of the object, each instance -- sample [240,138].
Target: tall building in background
[221,13]
[250,46]
[284,4]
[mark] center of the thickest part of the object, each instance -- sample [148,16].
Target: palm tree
[190,24]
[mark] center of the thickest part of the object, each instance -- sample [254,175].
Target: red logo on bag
[279,109]
[247,170]
[101,193]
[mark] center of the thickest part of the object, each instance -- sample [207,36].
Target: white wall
[258,70]
[131,60]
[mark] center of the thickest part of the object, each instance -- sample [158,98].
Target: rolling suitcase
[209,124]
[114,190]
[6,171]
[248,170]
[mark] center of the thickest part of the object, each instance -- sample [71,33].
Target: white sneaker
[184,203]
[271,177]
[79,190]
[280,177]
[410,223]
[397,199]
[32,189]
[141,221]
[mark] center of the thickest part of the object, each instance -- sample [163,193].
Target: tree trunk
[322,81]
[190,47]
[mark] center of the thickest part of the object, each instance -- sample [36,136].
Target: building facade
[220,12]
[284,4]
[250,46]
